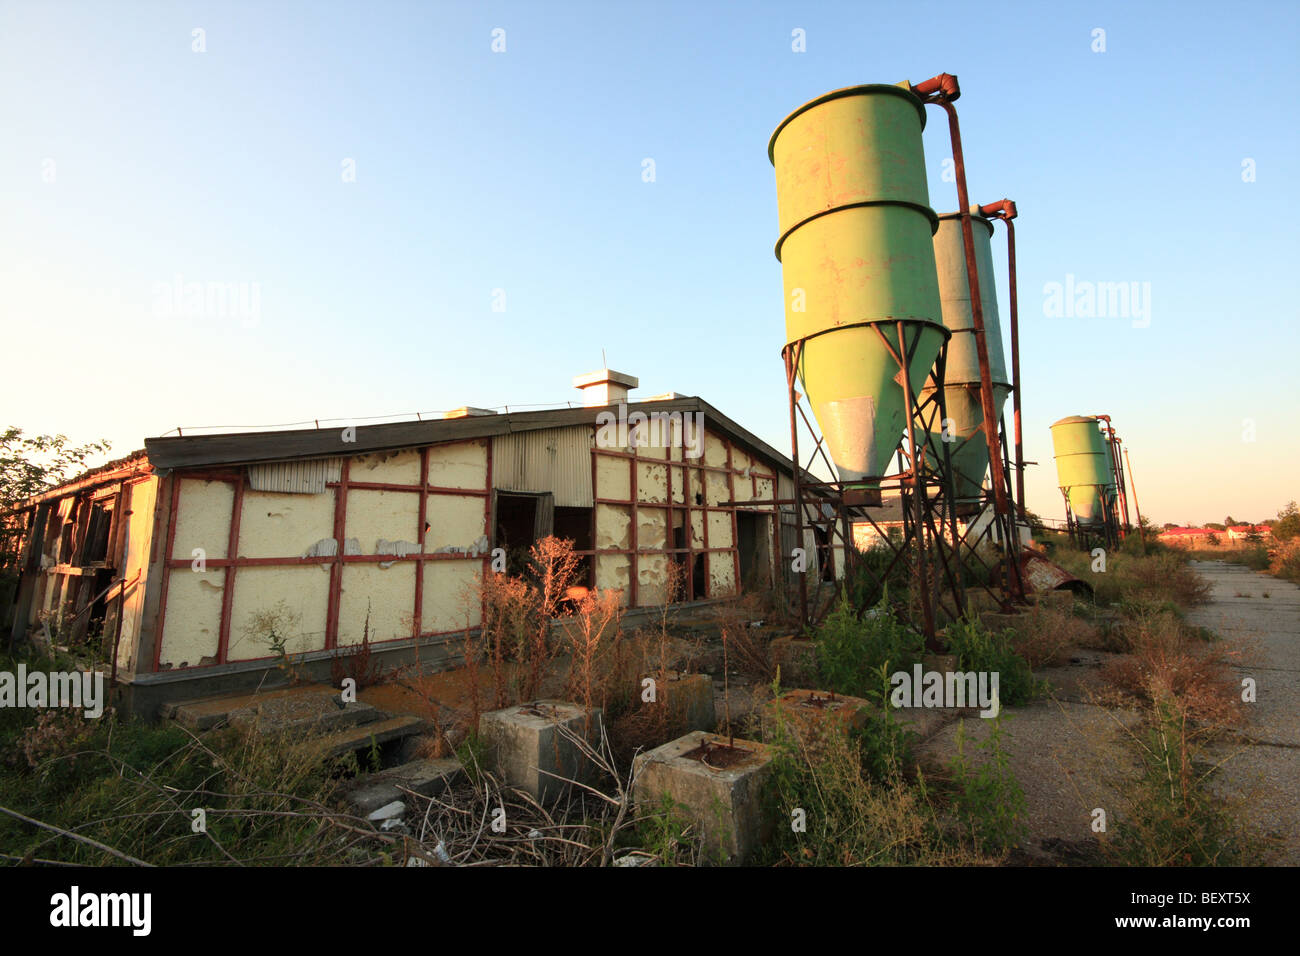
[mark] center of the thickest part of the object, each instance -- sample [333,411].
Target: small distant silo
[1084,468]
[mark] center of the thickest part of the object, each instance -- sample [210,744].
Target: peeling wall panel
[613,527]
[387,515]
[651,533]
[652,580]
[722,574]
[652,483]
[613,572]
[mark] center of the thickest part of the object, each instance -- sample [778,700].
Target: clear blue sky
[522,171]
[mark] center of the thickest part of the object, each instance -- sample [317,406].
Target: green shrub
[851,651]
[830,810]
[988,800]
[979,649]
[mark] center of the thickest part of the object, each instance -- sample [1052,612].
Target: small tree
[1287,525]
[29,466]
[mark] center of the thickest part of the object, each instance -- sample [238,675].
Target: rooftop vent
[605,387]
[467,411]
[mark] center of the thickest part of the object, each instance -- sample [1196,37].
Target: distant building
[1194,538]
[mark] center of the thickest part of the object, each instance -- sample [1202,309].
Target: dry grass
[1044,636]
[1152,580]
[1165,661]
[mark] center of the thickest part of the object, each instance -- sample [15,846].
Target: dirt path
[1264,766]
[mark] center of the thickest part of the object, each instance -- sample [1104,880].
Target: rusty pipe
[1136,506]
[944,85]
[1004,210]
[939,93]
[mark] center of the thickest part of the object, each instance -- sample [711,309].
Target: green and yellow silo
[1083,467]
[968,448]
[855,246]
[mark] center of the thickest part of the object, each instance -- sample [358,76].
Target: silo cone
[1082,464]
[856,246]
[968,449]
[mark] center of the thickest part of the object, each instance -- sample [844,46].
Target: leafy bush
[979,649]
[851,651]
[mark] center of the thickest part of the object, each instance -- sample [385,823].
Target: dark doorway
[516,519]
[752,543]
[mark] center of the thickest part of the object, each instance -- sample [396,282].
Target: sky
[393,217]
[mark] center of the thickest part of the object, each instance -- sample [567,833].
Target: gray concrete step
[427,777]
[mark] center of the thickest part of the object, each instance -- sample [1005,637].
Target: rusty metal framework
[1088,535]
[924,489]
[942,91]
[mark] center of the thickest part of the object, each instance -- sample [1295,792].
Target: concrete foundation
[528,749]
[725,802]
[1060,599]
[797,658]
[996,620]
[809,714]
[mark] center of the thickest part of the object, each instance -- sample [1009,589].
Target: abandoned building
[202,557]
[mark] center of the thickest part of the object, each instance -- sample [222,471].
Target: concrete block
[719,789]
[797,658]
[526,745]
[996,620]
[809,714]
[1059,599]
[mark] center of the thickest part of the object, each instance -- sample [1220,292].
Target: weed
[1175,819]
[988,800]
[666,833]
[981,650]
[357,664]
[851,650]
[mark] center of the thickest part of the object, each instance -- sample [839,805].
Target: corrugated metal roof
[557,460]
[295,477]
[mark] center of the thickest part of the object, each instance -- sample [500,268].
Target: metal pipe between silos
[942,90]
[1004,211]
